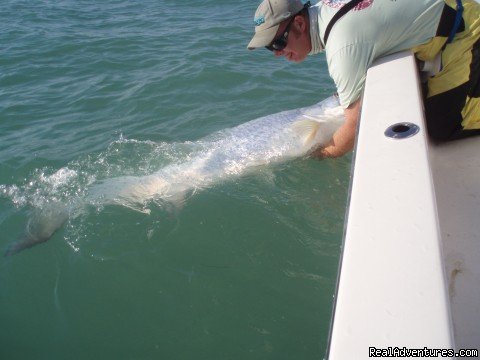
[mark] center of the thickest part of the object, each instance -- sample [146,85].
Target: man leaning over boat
[443,33]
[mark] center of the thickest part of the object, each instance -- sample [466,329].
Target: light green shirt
[382,27]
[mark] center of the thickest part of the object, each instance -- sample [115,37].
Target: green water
[245,269]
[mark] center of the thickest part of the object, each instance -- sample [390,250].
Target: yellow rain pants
[452,103]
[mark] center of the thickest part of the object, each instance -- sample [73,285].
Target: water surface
[245,269]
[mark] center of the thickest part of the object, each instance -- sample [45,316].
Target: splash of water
[168,173]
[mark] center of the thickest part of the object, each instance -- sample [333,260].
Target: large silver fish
[229,153]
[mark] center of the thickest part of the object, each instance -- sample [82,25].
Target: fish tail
[40,228]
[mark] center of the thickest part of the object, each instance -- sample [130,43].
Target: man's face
[298,40]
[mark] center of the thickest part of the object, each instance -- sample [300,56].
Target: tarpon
[229,153]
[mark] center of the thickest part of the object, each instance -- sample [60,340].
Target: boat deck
[456,175]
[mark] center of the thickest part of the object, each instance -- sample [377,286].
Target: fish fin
[306,130]
[177,201]
[138,207]
[318,119]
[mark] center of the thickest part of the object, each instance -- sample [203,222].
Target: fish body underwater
[228,153]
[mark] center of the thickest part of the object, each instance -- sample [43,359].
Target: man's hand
[343,139]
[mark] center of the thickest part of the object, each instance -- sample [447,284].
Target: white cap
[269,15]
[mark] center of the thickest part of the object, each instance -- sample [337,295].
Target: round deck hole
[402,130]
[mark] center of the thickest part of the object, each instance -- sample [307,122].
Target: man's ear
[300,23]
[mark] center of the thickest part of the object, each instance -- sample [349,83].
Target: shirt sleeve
[348,68]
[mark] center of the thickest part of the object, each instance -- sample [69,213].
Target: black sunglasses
[280,42]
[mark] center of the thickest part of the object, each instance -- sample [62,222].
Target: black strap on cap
[343,10]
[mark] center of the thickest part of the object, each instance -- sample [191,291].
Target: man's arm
[343,139]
